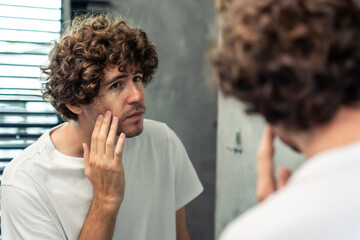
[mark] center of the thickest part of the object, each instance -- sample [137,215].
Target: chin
[134,133]
[131,131]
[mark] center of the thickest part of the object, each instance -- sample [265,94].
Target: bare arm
[100,221]
[181,230]
[104,168]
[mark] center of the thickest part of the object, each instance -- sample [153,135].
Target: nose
[136,93]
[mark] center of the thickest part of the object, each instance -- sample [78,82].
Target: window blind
[26,31]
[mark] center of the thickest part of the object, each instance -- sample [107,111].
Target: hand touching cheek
[103,161]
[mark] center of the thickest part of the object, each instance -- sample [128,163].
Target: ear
[77,109]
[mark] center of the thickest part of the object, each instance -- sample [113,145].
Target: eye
[115,85]
[137,79]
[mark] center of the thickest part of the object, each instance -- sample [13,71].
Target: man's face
[122,93]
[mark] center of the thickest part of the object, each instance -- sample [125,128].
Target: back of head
[296,62]
[88,45]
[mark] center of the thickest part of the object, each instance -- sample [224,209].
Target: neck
[342,130]
[68,139]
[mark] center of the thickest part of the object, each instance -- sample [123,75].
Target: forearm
[100,221]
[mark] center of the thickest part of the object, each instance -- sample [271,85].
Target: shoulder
[19,163]
[263,221]
[300,211]
[280,216]
[22,167]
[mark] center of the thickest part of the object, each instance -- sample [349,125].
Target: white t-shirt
[321,202]
[46,195]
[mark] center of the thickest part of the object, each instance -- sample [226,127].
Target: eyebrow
[117,77]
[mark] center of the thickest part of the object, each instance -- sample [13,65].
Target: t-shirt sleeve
[187,183]
[22,217]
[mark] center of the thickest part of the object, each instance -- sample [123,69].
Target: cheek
[92,112]
[104,103]
[112,102]
[142,89]
[110,96]
[99,106]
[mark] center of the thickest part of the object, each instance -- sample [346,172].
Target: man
[82,180]
[297,64]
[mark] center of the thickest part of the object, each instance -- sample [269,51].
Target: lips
[135,114]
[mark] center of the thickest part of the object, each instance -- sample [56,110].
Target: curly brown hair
[295,62]
[91,43]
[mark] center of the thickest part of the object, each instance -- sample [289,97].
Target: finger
[265,155]
[119,148]
[86,158]
[266,147]
[103,133]
[265,167]
[283,176]
[95,134]
[110,142]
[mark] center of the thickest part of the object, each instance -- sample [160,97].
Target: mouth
[136,115]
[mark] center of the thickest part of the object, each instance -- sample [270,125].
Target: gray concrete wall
[179,95]
[236,173]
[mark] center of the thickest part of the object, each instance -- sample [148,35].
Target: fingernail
[100,117]
[108,114]
[122,135]
[115,119]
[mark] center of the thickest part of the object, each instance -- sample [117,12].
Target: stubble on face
[130,113]
[132,128]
